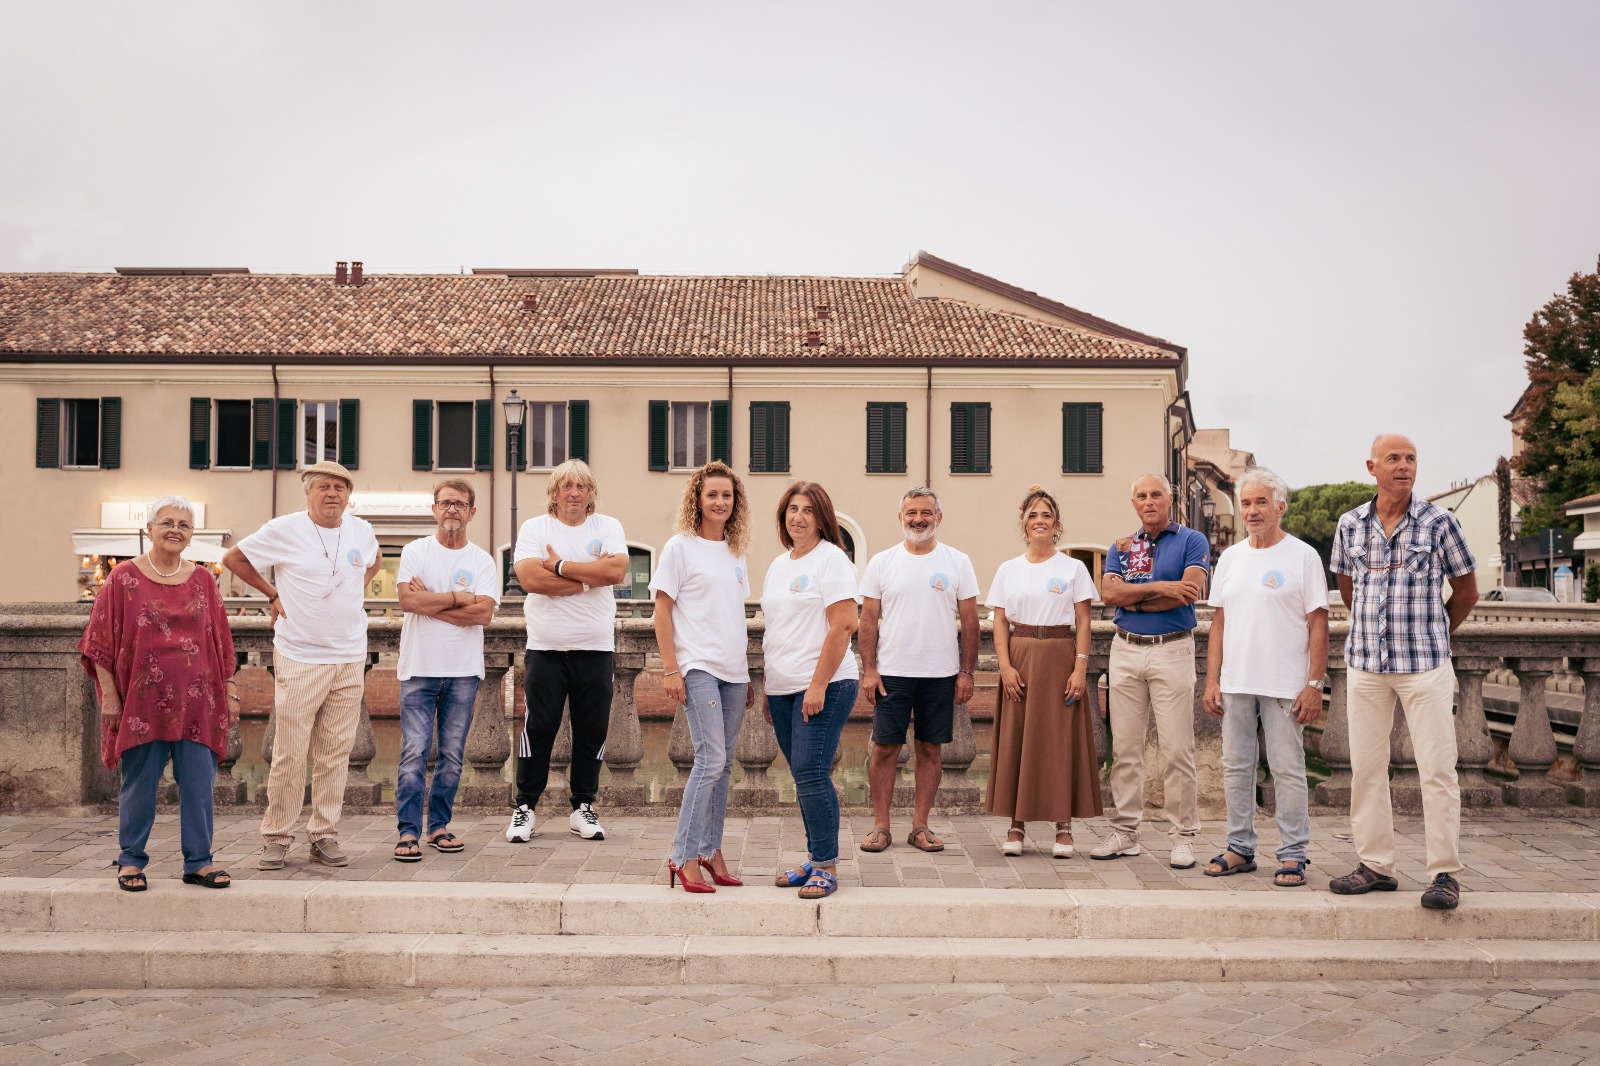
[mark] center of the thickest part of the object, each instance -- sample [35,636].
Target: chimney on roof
[355,272]
[824,312]
[341,274]
[813,338]
[530,301]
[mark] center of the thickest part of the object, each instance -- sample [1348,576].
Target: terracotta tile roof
[432,317]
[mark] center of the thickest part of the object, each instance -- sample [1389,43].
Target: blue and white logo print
[461,580]
[1056,586]
[800,583]
[938,582]
[1273,579]
[738,575]
[354,557]
[594,548]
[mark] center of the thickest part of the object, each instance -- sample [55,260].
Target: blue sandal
[796,877]
[820,879]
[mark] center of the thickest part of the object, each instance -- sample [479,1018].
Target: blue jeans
[194,767]
[809,747]
[1286,756]
[429,704]
[714,710]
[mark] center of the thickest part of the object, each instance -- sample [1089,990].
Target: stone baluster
[1335,746]
[1585,791]
[1099,706]
[359,789]
[756,748]
[680,749]
[487,744]
[1533,743]
[1474,746]
[624,741]
[1405,784]
[957,794]
[226,791]
[558,789]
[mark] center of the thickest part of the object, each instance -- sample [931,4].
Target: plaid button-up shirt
[1398,623]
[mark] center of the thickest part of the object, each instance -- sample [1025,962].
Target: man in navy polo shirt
[1153,579]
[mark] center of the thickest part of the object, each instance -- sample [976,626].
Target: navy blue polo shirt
[1163,557]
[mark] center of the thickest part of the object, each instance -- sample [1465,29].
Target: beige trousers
[1160,679]
[1426,699]
[316,708]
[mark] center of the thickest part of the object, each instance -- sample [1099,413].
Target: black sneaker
[1362,880]
[1443,894]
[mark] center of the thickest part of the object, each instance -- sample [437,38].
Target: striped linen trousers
[316,708]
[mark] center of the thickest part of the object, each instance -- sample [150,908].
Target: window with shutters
[1081,438]
[545,428]
[769,437]
[886,438]
[319,432]
[969,438]
[455,435]
[80,433]
[234,434]
[691,435]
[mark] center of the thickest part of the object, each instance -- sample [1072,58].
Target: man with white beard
[919,645]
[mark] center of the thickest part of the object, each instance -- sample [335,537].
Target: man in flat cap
[321,560]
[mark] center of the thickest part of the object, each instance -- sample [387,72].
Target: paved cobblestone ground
[1550,1023]
[1505,850]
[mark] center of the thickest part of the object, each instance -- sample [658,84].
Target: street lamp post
[1208,512]
[516,408]
[1513,568]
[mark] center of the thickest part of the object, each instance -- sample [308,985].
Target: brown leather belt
[1020,629]
[1158,639]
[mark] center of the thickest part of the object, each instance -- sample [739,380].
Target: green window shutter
[199,433]
[660,412]
[288,433]
[482,434]
[721,436]
[969,438]
[1081,438]
[261,434]
[578,429]
[980,438]
[110,432]
[47,434]
[350,434]
[422,434]
[760,460]
[886,438]
[769,437]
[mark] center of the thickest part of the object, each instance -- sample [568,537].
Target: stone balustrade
[49,739]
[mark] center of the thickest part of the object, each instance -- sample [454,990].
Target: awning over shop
[206,547]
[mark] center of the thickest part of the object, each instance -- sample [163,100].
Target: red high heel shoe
[675,874]
[721,879]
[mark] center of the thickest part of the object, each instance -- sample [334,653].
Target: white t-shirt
[429,647]
[320,575]
[1041,594]
[708,585]
[587,621]
[795,599]
[1265,595]
[917,629]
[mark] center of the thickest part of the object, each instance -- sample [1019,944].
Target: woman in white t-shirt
[809,600]
[1043,768]
[701,585]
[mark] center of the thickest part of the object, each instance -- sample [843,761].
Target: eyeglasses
[452,505]
[167,525]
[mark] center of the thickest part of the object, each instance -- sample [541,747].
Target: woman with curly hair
[1043,767]
[701,585]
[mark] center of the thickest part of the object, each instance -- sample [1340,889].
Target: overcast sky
[1346,211]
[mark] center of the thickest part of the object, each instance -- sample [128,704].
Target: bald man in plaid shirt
[1392,556]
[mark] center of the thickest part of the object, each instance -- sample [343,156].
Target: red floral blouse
[169,649]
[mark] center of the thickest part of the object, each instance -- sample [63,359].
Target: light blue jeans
[429,705]
[714,710]
[1286,756]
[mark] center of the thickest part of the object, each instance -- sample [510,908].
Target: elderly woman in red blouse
[160,651]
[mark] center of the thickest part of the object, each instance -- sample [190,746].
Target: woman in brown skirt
[1043,766]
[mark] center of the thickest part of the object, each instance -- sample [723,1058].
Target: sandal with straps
[821,883]
[1224,868]
[795,877]
[1291,868]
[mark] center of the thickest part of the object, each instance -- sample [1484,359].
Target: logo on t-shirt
[938,582]
[462,580]
[1273,579]
[594,548]
[800,583]
[738,575]
[354,556]
[1055,586]
[1141,560]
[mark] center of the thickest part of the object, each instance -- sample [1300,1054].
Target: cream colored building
[219,385]
[1476,505]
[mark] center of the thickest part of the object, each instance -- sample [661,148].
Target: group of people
[160,651]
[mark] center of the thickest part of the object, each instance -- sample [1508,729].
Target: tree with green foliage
[1562,346]
[1591,585]
[1314,511]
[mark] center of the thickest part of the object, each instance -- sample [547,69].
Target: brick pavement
[1554,1022]
[1506,850]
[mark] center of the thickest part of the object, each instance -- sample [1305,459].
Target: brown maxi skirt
[1043,766]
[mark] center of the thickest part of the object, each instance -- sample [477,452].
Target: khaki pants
[316,708]
[1153,678]
[1426,700]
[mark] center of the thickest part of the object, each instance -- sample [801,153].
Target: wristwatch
[1317,684]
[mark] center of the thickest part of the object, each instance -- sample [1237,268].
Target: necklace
[332,560]
[151,559]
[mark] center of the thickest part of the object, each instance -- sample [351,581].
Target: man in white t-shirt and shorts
[448,590]
[1265,664]
[919,645]
[321,560]
[567,560]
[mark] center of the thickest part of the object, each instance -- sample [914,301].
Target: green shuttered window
[769,437]
[886,438]
[969,438]
[1081,438]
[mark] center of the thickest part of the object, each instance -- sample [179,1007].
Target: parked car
[1501,594]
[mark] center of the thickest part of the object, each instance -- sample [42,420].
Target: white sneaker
[1182,857]
[520,831]
[585,823]
[1116,845]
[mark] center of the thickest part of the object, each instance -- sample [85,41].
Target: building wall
[1477,508]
